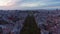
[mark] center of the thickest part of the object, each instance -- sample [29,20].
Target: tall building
[30,26]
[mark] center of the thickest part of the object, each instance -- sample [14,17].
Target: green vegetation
[30,26]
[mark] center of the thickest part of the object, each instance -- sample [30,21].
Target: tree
[30,26]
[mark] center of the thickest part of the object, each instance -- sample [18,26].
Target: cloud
[27,4]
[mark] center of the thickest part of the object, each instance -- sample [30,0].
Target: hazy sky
[29,4]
